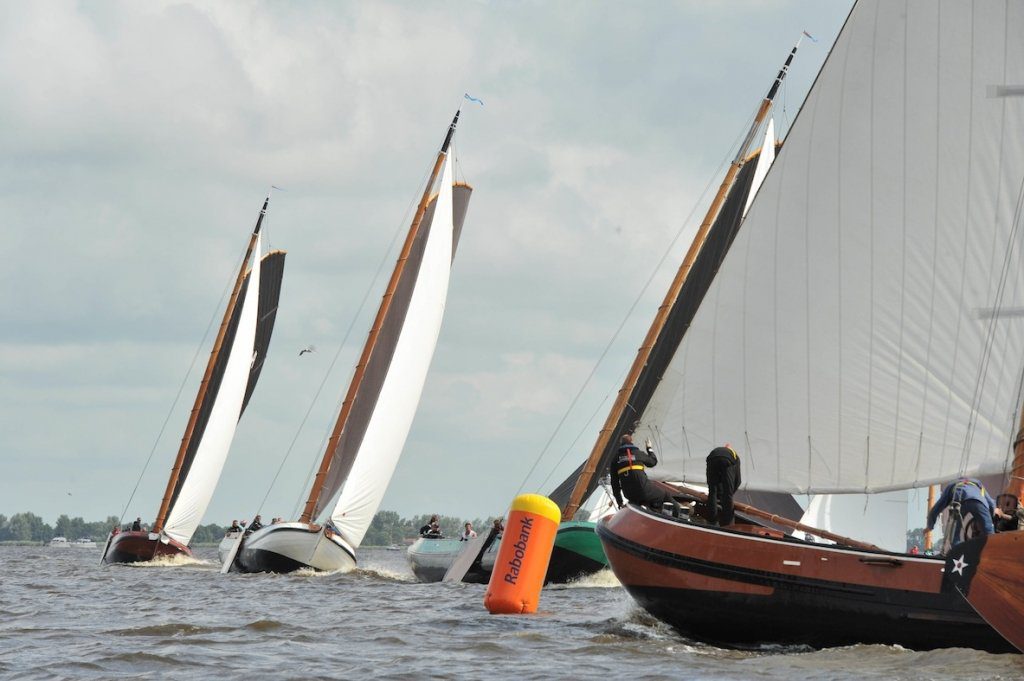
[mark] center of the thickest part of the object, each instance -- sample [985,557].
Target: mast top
[451,132]
[263,212]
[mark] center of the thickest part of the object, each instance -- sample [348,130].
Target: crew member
[432,530]
[1013,514]
[235,527]
[966,496]
[723,475]
[137,525]
[628,477]
[467,533]
[256,524]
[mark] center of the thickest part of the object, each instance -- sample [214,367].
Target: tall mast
[622,399]
[378,322]
[161,516]
[928,531]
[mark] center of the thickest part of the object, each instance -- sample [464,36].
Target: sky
[138,143]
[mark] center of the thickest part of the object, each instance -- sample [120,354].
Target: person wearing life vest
[723,475]
[966,495]
[628,477]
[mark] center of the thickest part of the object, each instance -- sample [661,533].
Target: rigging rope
[654,270]
[991,332]
[184,380]
[373,284]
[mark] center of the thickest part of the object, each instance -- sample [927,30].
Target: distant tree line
[386,529]
[28,527]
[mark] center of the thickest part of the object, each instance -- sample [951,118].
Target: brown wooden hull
[136,547]
[735,588]
[989,572]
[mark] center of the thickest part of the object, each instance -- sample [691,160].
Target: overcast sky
[138,142]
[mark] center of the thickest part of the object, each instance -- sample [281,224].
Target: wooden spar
[928,531]
[1015,483]
[371,341]
[161,516]
[783,521]
[644,352]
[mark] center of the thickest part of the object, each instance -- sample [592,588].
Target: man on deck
[723,475]
[627,475]
[966,496]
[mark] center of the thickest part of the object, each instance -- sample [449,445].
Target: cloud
[139,142]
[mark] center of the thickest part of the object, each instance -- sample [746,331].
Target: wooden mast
[643,354]
[378,322]
[1015,483]
[928,530]
[161,516]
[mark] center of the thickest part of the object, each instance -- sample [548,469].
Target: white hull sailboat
[381,401]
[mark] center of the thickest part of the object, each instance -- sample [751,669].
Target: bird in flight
[308,348]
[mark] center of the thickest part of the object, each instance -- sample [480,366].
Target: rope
[639,297]
[181,388]
[991,331]
[337,353]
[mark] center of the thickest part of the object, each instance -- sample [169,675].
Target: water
[64,617]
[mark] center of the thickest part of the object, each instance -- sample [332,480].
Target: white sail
[399,395]
[879,519]
[844,345]
[212,452]
[764,162]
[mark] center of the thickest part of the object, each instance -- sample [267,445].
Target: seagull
[308,348]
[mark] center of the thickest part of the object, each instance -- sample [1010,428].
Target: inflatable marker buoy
[523,556]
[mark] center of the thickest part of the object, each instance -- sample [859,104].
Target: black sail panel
[271,276]
[377,366]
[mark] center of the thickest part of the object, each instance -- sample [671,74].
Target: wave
[604,579]
[177,560]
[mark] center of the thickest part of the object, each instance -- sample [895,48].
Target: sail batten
[843,346]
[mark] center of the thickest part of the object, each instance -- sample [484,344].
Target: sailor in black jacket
[627,475]
[723,475]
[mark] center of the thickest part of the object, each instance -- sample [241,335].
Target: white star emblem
[959,564]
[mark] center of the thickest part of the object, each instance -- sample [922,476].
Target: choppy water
[62,616]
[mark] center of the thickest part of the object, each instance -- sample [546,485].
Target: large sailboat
[378,409]
[839,346]
[232,371]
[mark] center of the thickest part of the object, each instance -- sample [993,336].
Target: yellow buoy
[523,556]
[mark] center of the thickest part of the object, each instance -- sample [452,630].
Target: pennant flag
[473,99]
[813,39]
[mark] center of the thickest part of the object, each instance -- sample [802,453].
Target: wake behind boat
[378,409]
[232,372]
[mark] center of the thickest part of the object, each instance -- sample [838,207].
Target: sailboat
[232,371]
[838,347]
[378,409]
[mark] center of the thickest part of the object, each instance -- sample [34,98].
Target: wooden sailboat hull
[736,588]
[287,547]
[989,572]
[137,547]
[577,553]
